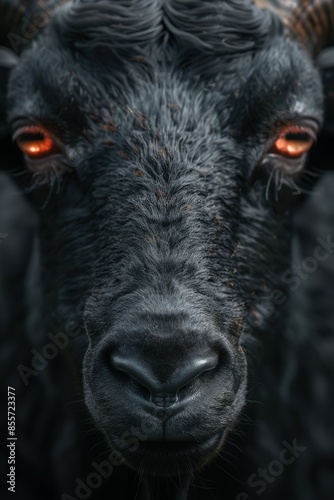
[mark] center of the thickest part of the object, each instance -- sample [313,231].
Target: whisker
[269,183]
[49,193]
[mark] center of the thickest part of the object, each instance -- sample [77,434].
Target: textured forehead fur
[207,36]
[226,28]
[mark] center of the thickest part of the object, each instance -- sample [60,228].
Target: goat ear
[8,60]
[321,158]
[325,62]
[9,156]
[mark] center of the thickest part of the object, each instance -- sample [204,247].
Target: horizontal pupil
[298,136]
[31,137]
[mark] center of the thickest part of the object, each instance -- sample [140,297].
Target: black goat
[166,142]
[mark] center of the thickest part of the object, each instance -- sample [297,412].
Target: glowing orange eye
[35,141]
[294,141]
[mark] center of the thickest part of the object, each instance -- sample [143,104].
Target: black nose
[163,386]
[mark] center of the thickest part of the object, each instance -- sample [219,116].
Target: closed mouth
[171,457]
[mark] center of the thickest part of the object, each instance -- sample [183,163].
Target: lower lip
[163,458]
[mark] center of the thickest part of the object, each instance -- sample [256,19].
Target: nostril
[133,385]
[163,380]
[134,369]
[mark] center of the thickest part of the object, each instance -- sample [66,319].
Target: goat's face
[172,226]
